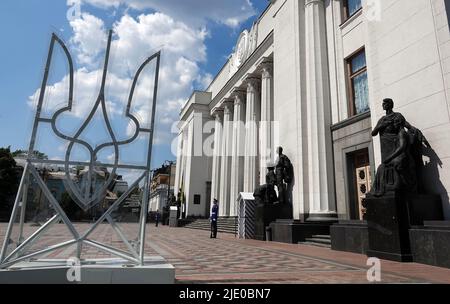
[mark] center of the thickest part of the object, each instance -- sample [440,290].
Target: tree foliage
[38,154]
[9,178]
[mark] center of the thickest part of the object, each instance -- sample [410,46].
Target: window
[196,199]
[357,80]
[351,7]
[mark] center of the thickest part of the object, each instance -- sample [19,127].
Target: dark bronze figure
[396,201]
[265,194]
[284,175]
[401,153]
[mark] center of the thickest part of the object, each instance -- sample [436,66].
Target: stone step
[224,225]
[315,244]
[322,236]
[319,241]
[208,225]
[209,228]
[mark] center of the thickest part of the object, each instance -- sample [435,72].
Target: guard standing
[213,218]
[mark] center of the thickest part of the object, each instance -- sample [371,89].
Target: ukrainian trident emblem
[87,190]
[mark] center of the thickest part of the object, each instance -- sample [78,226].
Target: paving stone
[199,259]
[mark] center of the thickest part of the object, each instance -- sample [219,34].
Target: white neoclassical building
[310,76]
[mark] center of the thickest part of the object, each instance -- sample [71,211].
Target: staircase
[224,225]
[321,240]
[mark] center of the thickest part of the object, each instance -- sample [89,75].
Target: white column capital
[216,112]
[266,69]
[253,84]
[309,2]
[238,95]
[227,106]
[218,116]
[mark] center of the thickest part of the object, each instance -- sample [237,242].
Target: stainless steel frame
[89,195]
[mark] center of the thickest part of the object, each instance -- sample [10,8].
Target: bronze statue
[279,175]
[401,153]
[265,194]
[284,174]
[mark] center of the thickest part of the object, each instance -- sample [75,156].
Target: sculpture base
[350,236]
[294,231]
[388,224]
[266,214]
[424,207]
[92,271]
[430,243]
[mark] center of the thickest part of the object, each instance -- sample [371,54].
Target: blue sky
[195,36]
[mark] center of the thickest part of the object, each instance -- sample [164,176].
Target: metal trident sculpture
[89,194]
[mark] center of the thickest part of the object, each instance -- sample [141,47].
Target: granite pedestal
[388,224]
[430,243]
[264,215]
[350,235]
[294,231]
[389,218]
[424,207]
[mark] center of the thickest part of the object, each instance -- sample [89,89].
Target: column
[178,169]
[266,143]
[320,164]
[215,181]
[237,158]
[225,173]
[183,158]
[252,117]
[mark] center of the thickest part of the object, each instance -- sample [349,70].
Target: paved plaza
[199,259]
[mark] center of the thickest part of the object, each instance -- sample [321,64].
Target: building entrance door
[362,178]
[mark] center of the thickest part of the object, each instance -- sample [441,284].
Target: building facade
[162,179]
[310,76]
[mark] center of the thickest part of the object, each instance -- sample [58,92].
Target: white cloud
[193,12]
[89,38]
[130,176]
[134,39]
[205,80]
[111,157]
[232,22]
[139,38]
[86,86]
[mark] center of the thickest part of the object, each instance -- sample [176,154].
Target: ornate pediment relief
[246,45]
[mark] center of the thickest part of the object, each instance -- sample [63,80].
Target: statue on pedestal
[284,174]
[396,201]
[279,175]
[401,153]
[265,194]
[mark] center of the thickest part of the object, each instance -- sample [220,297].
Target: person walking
[213,218]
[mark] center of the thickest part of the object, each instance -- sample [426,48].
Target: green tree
[38,154]
[9,179]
